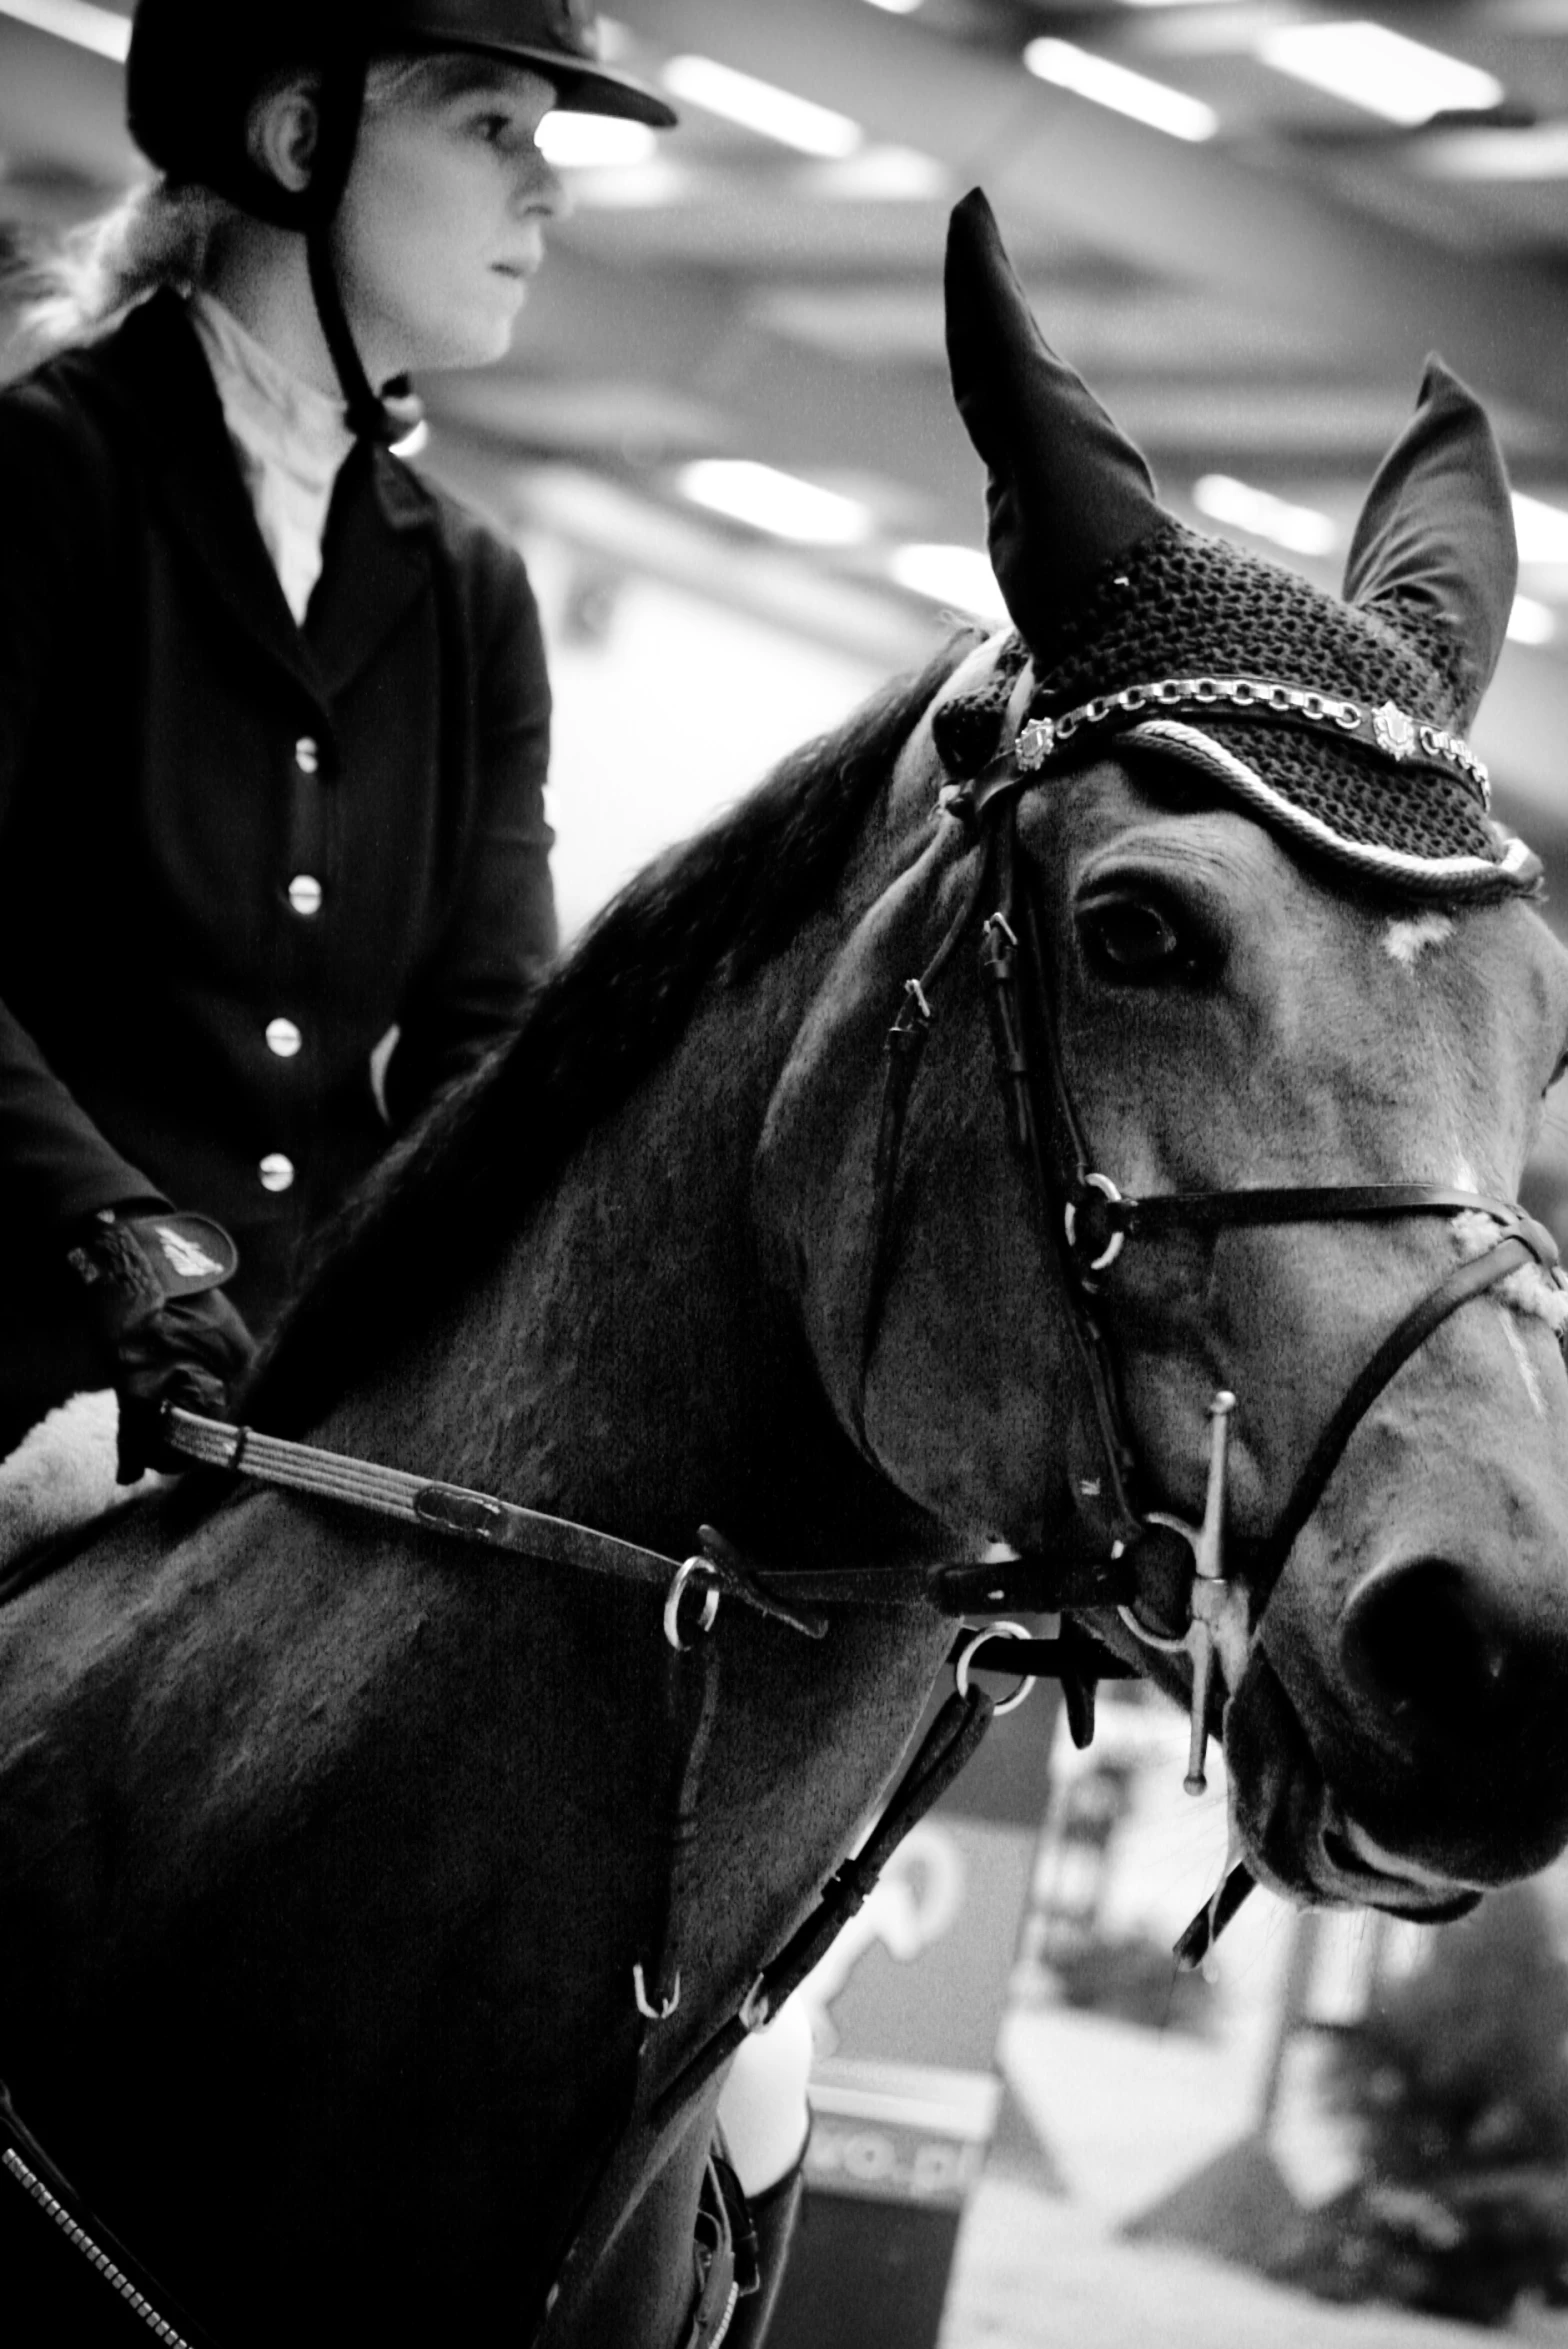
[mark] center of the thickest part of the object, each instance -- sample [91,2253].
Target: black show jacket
[233,852]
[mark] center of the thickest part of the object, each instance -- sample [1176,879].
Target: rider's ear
[283,130]
[1436,535]
[1068,492]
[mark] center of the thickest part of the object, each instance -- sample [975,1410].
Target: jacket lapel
[158,372]
[377,556]
[376,562]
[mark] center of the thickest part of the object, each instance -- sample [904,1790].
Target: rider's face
[442,224]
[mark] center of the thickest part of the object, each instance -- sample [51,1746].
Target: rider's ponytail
[160,234]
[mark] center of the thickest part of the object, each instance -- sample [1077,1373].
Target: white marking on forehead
[1404,941]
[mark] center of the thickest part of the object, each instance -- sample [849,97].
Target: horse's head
[1260,942]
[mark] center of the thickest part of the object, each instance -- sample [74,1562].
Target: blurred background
[725,445]
[725,440]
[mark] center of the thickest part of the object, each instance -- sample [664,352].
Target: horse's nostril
[1422,1641]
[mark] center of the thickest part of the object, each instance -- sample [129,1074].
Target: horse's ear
[1068,492]
[1437,528]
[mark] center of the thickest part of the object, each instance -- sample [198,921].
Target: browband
[1388,731]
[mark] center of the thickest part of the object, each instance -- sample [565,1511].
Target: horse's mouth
[1300,1839]
[1348,1865]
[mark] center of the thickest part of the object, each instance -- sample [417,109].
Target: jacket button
[307,754]
[277,1172]
[283,1038]
[305,894]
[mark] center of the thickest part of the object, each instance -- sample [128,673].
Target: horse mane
[444,1198]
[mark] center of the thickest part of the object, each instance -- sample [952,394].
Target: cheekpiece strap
[1388,731]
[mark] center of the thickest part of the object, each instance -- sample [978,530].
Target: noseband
[1090,1223]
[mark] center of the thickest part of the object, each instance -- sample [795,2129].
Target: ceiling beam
[1277,239]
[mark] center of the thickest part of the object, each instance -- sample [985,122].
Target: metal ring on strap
[657,2011]
[684,1575]
[1000,1630]
[1113,1247]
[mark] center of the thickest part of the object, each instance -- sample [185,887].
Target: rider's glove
[153,1283]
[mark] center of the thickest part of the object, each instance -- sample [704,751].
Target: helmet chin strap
[367,415]
[340,110]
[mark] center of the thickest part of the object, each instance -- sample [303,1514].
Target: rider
[273,711]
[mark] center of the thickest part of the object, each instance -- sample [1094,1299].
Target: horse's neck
[626,1360]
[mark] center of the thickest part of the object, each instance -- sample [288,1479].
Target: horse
[369,1897]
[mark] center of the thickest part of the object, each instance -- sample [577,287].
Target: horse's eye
[1128,939]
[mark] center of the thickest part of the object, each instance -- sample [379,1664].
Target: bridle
[1089,1223]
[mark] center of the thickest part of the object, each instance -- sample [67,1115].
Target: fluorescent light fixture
[1300,528]
[880,175]
[897,7]
[76,21]
[641,187]
[595,142]
[760,106]
[1372,66]
[776,502]
[956,575]
[1530,622]
[1542,530]
[1536,150]
[1116,86]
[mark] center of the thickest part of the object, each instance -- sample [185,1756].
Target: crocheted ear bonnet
[1338,723]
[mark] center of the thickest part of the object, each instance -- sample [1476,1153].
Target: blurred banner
[905,2093]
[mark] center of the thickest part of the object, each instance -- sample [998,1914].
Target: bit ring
[677,1591]
[999,1630]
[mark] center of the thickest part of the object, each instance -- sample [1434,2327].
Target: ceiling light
[1300,528]
[77,21]
[1370,65]
[1530,622]
[1108,84]
[897,7]
[760,106]
[779,503]
[1542,530]
[880,175]
[956,575]
[1535,150]
[641,187]
[589,141]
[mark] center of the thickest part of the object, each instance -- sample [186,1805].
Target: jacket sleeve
[501,935]
[55,518]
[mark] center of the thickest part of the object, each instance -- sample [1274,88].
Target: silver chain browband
[1388,730]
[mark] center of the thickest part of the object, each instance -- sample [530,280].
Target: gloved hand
[153,1282]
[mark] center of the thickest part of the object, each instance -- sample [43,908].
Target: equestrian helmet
[194,71]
